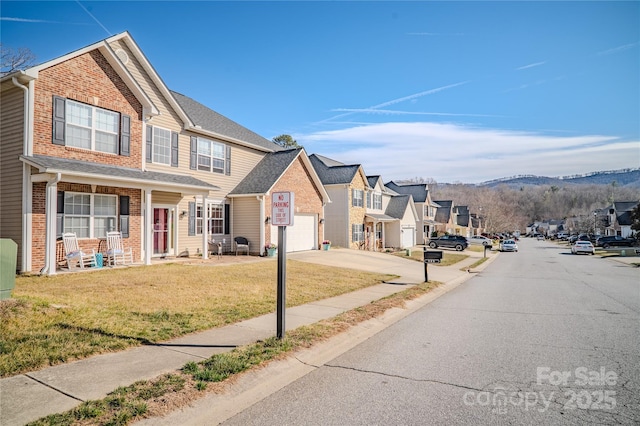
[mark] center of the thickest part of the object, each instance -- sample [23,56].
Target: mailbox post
[434,256]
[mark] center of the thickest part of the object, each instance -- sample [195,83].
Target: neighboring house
[94,141]
[476,224]
[445,217]
[283,171]
[463,221]
[618,219]
[390,219]
[425,207]
[344,217]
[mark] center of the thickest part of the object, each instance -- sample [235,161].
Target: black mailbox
[432,256]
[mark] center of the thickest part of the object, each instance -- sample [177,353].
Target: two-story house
[445,217]
[391,218]
[346,185]
[425,207]
[617,218]
[94,141]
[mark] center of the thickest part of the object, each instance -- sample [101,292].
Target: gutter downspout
[25,246]
[51,197]
[262,225]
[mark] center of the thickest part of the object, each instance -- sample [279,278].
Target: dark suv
[457,242]
[615,241]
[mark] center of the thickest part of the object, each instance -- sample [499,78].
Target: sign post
[434,256]
[282,208]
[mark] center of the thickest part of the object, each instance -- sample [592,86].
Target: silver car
[479,239]
[508,245]
[583,247]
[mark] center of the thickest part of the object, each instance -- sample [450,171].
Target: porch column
[205,227]
[51,211]
[148,227]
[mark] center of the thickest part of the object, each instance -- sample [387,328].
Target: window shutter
[174,149]
[227,163]
[124,216]
[227,219]
[193,160]
[60,202]
[125,135]
[59,216]
[58,120]
[192,218]
[149,143]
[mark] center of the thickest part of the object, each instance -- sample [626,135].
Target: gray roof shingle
[63,165]
[210,120]
[266,173]
[332,175]
[397,206]
[443,213]
[417,190]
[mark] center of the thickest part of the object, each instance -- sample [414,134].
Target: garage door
[408,237]
[302,235]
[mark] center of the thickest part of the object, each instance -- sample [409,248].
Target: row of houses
[95,141]
[615,219]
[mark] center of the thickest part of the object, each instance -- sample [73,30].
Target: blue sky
[453,91]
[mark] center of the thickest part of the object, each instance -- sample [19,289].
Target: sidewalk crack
[53,388]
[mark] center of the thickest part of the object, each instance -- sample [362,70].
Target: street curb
[253,386]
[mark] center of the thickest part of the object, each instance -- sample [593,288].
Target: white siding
[336,215]
[246,220]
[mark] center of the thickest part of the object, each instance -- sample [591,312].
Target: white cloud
[455,153]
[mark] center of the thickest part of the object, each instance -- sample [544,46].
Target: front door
[161,231]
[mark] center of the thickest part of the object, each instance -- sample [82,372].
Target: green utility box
[8,259]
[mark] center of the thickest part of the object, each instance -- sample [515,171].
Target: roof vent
[122,55]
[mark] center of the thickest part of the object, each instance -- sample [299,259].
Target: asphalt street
[542,336]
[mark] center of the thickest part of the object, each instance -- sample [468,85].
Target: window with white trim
[357,232]
[89,215]
[377,201]
[215,218]
[90,127]
[161,145]
[357,196]
[211,155]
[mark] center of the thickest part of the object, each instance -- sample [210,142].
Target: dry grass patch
[65,317]
[160,396]
[448,258]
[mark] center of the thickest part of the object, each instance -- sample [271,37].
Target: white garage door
[302,235]
[408,237]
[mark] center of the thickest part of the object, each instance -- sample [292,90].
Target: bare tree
[15,59]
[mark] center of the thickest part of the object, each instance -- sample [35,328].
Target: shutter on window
[124,216]
[227,163]
[59,216]
[192,218]
[174,149]
[227,219]
[58,120]
[193,158]
[125,135]
[149,144]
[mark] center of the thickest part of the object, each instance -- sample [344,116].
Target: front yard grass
[53,320]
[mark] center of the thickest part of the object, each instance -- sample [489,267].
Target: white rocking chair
[73,255]
[116,252]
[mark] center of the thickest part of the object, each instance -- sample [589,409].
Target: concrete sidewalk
[30,396]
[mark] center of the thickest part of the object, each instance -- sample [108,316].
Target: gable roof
[397,206]
[418,191]
[335,174]
[443,213]
[123,175]
[624,206]
[214,124]
[267,172]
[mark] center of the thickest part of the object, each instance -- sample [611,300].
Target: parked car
[508,245]
[615,241]
[479,239]
[583,247]
[540,237]
[457,242]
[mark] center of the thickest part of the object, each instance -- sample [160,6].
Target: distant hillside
[624,177]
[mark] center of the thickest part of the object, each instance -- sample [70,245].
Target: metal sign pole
[426,272]
[282,280]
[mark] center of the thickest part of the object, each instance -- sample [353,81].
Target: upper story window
[90,127]
[357,197]
[377,201]
[211,156]
[162,146]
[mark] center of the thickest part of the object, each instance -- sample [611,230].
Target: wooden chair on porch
[116,251]
[73,255]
